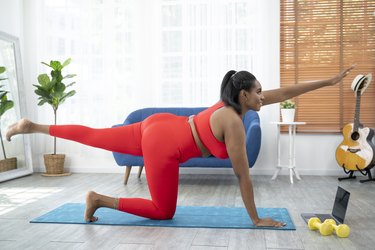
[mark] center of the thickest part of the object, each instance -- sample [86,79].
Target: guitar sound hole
[355,136]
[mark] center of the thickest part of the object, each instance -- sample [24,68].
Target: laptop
[339,208]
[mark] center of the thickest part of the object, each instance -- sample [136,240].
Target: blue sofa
[253,140]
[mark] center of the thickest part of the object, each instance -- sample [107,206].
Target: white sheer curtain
[200,41]
[130,54]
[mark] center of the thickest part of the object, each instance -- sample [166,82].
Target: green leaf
[69,76]
[70,84]
[9,104]
[43,94]
[67,62]
[55,103]
[52,84]
[4,106]
[2,94]
[41,88]
[44,80]
[56,74]
[56,65]
[59,77]
[42,102]
[59,88]
[2,70]
[46,64]
[69,94]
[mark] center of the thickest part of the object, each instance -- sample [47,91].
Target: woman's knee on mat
[162,210]
[165,214]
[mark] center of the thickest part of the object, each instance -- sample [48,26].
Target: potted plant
[52,91]
[288,109]
[5,104]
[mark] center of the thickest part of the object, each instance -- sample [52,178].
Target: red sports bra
[203,127]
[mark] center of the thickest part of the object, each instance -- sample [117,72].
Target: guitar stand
[350,172]
[367,172]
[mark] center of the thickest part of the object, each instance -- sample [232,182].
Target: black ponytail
[233,82]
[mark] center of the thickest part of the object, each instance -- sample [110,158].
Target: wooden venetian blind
[318,39]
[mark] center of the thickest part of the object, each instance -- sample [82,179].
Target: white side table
[292,150]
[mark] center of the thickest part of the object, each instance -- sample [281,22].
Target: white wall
[315,153]
[11,17]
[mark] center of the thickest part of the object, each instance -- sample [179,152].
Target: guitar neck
[357,110]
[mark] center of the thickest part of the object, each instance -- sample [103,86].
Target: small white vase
[287,115]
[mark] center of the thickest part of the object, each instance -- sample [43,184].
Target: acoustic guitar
[356,151]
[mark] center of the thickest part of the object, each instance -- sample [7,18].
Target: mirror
[15,156]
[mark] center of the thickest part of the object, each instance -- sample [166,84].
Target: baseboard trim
[223,171]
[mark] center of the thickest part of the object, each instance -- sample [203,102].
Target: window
[317,40]
[199,40]
[146,53]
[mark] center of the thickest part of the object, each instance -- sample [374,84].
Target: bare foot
[21,127]
[91,206]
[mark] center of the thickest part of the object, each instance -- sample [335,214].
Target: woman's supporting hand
[268,222]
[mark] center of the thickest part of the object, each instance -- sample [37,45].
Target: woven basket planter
[8,164]
[54,164]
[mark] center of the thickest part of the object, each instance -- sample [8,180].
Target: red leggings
[164,140]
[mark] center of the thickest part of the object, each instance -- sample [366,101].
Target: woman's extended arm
[234,136]
[282,94]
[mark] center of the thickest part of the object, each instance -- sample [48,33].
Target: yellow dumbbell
[341,230]
[325,228]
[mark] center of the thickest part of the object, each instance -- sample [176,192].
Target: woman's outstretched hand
[337,78]
[268,222]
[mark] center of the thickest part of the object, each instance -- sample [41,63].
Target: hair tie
[236,85]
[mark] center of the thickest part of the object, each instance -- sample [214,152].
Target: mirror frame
[28,169]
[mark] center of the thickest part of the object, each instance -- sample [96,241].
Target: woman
[165,140]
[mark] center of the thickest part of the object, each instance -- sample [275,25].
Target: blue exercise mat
[189,216]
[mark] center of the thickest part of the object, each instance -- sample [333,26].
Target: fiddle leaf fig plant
[52,90]
[5,105]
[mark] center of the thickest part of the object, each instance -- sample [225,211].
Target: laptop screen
[341,204]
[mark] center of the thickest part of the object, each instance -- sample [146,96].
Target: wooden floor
[26,198]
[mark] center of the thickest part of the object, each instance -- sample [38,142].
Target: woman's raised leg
[123,139]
